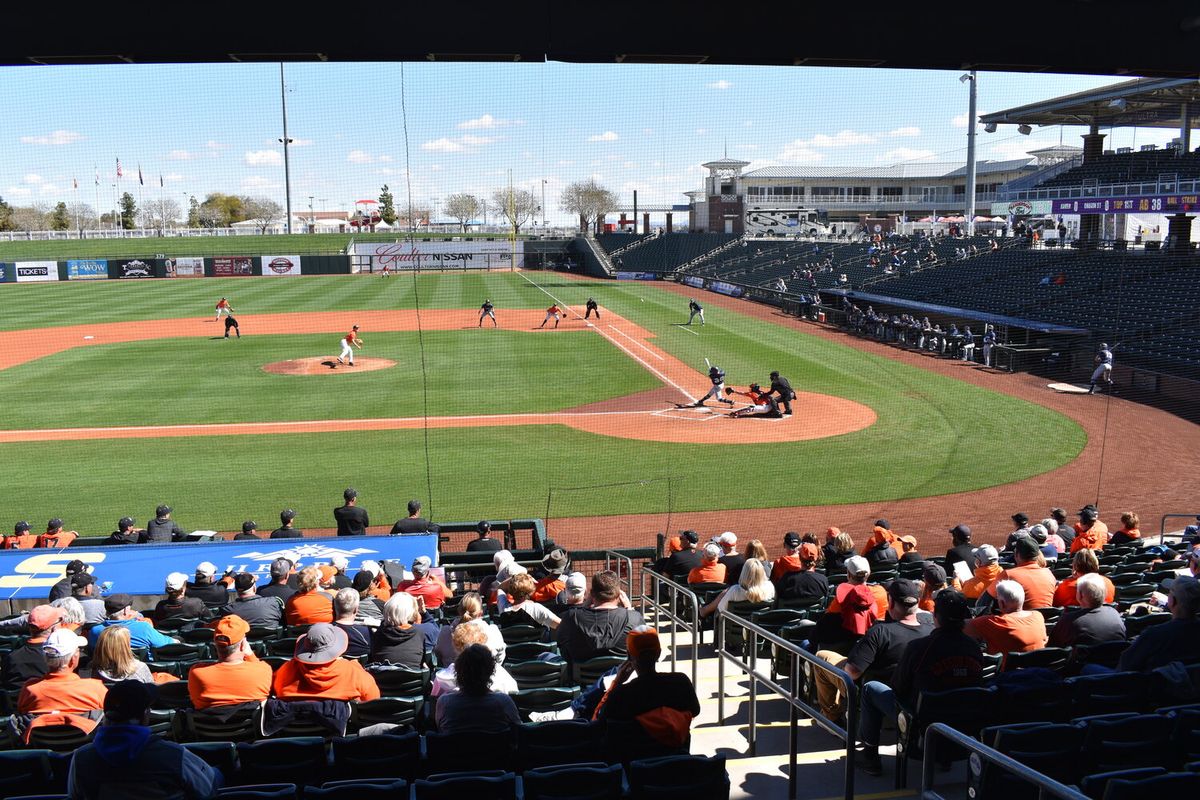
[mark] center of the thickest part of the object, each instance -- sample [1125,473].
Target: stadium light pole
[287,172]
[971,78]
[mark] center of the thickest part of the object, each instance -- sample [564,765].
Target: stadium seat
[282,647]
[1139,740]
[383,756]
[1052,658]
[1172,784]
[489,785]
[579,781]
[1052,749]
[1095,785]
[401,711]
[547,744]
[302,760]
[24,772]
[174,624]
[173,695]
[625,741]
[365,789]
[518,634]
[59,738]
[679,777]
[181,651]
[1107,694]
[1135,624]
[488,751]
[551,698]
[528,651]
[585,673]
[538,674]
[397,681]
[265,791]
[216,726]
[964,709]
[1104,654]
[1185,734]
[202,636]
[221,756]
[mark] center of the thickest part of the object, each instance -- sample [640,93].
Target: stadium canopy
[1141,103]
[1105,37]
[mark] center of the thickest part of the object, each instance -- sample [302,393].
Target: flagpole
[96,192]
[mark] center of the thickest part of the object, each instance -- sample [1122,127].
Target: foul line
[624,349]
[683,327]
[635,341]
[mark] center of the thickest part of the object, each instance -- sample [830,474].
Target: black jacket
[414,525]
[590,632]
[162,530]
[399,646]
[351,520]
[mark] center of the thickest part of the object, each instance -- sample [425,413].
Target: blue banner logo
[89,269]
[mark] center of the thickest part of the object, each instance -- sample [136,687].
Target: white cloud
[172,177]
[442,145]
[721,84]
[471,140]
[435,167]
[259,182]
[607,136]
[959,121]
[384,158]
[565,163]
[906,154]
[47,188]
[843,138]
[212,144]
[648,131]
[180,155]
[33,178]
[59,137]
[360,157]
[487,121]
[18,191]
[905,132]
[799,152]
[268,158]
[630,165]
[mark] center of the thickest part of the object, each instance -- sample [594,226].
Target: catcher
[762,404]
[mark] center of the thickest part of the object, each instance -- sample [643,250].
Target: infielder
[1103,371]
[695,310]
[592,305]
[488,310]
[349,342]
[717,376]
[223,307]
[552,313]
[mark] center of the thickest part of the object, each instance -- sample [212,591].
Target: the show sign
[34,271]
[186,267]
[439,254]
[235,266]
[1157,204]
[135,268]
[1021,208]
[87,269]
[721,287]
[694,281]
[637,276]
[277,266]
[140,569]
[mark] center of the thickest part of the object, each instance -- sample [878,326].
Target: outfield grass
[934,434]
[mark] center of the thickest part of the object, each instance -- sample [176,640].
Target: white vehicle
[774,221]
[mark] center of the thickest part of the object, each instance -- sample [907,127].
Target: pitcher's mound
[1067,388]
[326,365]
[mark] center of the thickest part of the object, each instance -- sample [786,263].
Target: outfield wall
[91,269]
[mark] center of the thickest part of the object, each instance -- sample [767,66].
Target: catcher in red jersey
[762,404]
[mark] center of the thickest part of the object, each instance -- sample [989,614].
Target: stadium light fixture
[966,76]
[1120,104]
[990,127]
[1024,130]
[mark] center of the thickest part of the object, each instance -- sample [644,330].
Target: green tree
[59,219]
[193,217]
[6,223]
[222,210]
[128,212]
[387,206]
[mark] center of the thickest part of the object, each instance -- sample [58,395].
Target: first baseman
[553,312]
[488,310]
[695,310]
[349,342]
[223,307]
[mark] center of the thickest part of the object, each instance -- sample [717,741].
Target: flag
[97,174]
[160,183]
[140,181]
[75,182]
[119,172]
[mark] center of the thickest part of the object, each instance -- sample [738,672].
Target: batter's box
[689,414]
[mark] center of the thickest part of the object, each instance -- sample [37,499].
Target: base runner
[349,342]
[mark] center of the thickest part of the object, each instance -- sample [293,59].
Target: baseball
[642,299]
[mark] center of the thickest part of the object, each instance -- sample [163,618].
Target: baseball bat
[707,364]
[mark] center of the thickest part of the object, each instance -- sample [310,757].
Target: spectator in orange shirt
[1129,529]
[425,585]
[877,547]
[1084,562]
[855,606]
[237,677]
[1037,582]
[551,583]
[790,560]
[933,580]
[710,569]
[19,539]
[1012,630]
[309,605]
[987,572]
[1090,532]
[318,672]
[55,537]
[61,689]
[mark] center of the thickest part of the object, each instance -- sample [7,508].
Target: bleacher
[668,252]
[615,241]
[1139,167]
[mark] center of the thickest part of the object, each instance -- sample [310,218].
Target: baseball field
[120,395]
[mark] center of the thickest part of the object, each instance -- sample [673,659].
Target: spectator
[752,587]
[933,580]
[1052,535]
[177,603]
[1090,532]
[874,656]
[1129,529]
[257,610]
[426,585]
[162,528]
[475,708]
[20,538]
[909,547]
[1191,558]
[1084,562]
[27,661]
[309,605]
[1037,582]
[345,609]
[141,633]
[414,522]
[61,690]
[470,612]
[237,677]
[807,585]
[1065,531]
[62,587]
[857,572]
[682,562]
[1093,622]
[73,618]
[55,537]
[730,558]
[573,596]
[756,549]
[248,531]
[522,610]
[664,703]
[85,591]
[829,549]
[843,551]
[1020,529]
[327,579]
[551,583]
[599,627]
[277,586]
[790,560]
[945,659]
[1011,630]
[463,636]
[1176,640]
[710,569]
[351,519]
[126,760]
[206,588]
[286,529]
[113,660]
[370,608]
[987,572]
[1041,535]
[125,533]
[484,543]
[400,640]
[880,549]
[318,671]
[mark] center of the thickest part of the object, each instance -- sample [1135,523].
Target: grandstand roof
[1140,103]
[919,169]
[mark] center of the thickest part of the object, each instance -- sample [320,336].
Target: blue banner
[7,273]
[721,287]
[695,281]
[89,269]
[637,276]
[142,568]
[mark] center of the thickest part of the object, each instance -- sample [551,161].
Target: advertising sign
[7,273]
[721,287]
[637,276]
[1156,204]
[277,266]
[1021,208]
[34,271]
[441,254]
[234,266]
[185,267]
[695,281]
[141,569]
[135,268]
[87,269]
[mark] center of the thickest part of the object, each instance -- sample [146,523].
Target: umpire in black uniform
[787,394]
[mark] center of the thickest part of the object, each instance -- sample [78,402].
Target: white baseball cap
[176,581]
[728,537]
[371,567]
[857,565]
[206,568]
[340,561]
[63,643]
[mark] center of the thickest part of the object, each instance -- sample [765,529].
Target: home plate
[89,337]
[1067,388]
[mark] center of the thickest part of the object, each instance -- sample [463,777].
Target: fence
[979,752]
[1162,523]
[621,564]
[753,637]
[672,610]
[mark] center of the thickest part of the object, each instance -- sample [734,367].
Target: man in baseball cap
[484,543]
[732,560]
[278,586]
[961,548]
[574,591]
[55,537]
[806,586]
[206,587]
[61,689]
[120,612]
[27,661]
[684,560]
[425,584]
[249,531]
[318,672]
[178,603]
[162,528]
[62,587]
[19,539]
[237,677]
[790,560]
[125,533]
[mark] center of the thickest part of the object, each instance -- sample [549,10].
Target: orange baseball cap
[808,552]
[230,630]
[327,573]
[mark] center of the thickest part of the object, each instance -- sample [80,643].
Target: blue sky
[214,127]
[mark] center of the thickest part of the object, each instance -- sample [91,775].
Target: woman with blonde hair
[843,548]
[445,681]
[752,587]
[755,549]
[470,612]
[113,660]
[522,610]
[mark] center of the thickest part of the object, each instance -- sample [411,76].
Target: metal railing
[623,566]
[1047,787]
[686,615]
[1162,523]
[1128,189]
[753,636]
